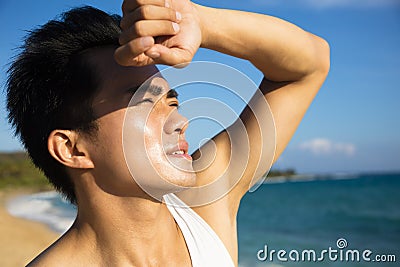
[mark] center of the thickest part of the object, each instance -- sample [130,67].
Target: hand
[158,32]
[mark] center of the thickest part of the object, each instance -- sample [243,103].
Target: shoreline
[21,240]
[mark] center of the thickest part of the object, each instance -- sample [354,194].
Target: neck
[130,229]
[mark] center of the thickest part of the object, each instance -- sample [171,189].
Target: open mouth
[181,151]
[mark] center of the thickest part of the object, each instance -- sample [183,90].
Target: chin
[165,181]
[177,172]
[183,181]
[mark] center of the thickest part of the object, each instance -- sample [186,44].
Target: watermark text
[338,253]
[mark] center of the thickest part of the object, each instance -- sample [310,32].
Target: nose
[176,123]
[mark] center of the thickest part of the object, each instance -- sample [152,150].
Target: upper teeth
[180,152]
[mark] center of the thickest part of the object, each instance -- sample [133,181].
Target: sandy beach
[20,240]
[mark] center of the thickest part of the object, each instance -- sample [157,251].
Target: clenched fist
[158,32]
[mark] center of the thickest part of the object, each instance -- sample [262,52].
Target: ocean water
[363,211]
[47,207]
[355,213]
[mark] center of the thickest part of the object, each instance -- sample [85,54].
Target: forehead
[114,77]
[114,80]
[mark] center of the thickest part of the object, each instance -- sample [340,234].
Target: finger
[169,56]
[150,12]
[130,5]
[149,28]
[128,54]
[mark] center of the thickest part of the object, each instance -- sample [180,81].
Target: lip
[182,145]
[184,156]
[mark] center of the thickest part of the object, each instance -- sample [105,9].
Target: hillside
[16,170]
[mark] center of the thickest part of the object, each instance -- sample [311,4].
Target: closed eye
[146,100]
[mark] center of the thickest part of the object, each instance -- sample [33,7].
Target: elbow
[317,58]
[322,56]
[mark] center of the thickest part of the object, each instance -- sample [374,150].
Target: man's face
[141,133]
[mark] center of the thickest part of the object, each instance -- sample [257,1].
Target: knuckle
[145,12]
[139,29]
[131,48]
[122,55]
[140,2]
[125,36]
[172,15]
[130,5]
[123,23]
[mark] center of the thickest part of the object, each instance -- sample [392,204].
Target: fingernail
[175,26]
[154,54]
[167,3]
[147,41]
[178,16]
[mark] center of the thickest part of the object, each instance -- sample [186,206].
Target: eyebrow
[156,90]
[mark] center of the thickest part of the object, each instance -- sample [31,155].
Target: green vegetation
[276,173]
[17,170]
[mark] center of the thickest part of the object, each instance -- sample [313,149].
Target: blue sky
[353,124]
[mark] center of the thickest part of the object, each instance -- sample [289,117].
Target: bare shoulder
[61,253]
[49,257]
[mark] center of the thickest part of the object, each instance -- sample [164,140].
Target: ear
[66,148]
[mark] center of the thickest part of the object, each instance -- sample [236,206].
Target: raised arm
[281,50]
[295,64]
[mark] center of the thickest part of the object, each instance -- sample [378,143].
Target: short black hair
[51,84]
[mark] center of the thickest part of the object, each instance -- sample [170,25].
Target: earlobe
[63,145]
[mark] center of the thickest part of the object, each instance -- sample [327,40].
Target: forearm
[281,50]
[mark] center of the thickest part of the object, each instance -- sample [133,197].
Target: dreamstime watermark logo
[339,253]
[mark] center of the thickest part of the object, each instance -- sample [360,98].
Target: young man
[80,114]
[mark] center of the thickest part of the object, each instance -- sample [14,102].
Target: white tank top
[204,245]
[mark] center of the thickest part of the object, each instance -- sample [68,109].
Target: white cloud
[323,146]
